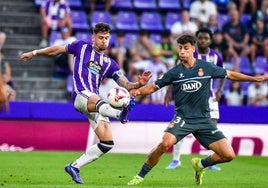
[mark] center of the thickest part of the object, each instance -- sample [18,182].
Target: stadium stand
[127,21]
[151,21]
[100,16]
[148,5]
[79,19]
[122,5]
[170,19]
[21,20]
[169,5]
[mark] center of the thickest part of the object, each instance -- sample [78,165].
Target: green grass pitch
[46,169]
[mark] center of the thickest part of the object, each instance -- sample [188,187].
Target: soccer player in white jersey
[204,52]
[91,66]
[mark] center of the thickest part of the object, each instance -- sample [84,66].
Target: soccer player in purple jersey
[204,52]
[91,66]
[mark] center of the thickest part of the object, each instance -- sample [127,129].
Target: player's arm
[145,90]
[49,51]
[236,76]
[142,80]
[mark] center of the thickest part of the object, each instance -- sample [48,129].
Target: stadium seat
[127,21]
[169,5]
[244,86]
[222,19]
[101,16]
[171,18]
[129,38]
[186,4]
[54,35]
[38,2]
[75,4]
[245,18]
[79,19]
[245,65]
[141,5]
[85,36]
[155,37]
[122,5]
[151,21]
[261,65]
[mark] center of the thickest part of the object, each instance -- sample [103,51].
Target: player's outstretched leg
[136,180]
[74,173]
[198,171]
[124,114]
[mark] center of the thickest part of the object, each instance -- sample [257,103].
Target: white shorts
[214,108]
[80,104]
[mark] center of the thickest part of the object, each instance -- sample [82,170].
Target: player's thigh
[179,128]
[208,133]
[223,148]
[86,101]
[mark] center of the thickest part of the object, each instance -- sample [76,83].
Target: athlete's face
[185,51]
[203,41]
[101,41]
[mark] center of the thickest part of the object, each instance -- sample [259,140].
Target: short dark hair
[102,27]
[204,30]
[186,39]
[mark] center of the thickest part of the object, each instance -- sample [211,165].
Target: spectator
[107,4]
[236,34]
[213,24]
[3,97]
[185,26]
[157,67]
[6,79]
[261,13]
[220,44]
[2,40]
[259,44]
[201,10]
[167,49]
[6,71]
[257,94]
[141,49]
[120,52]
[246,6]
[55,14]
[234,96]
[64,62]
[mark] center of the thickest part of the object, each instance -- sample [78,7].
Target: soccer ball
[118,97]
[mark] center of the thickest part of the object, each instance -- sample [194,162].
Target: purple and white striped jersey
[90,67]
[56,11]
[213,57]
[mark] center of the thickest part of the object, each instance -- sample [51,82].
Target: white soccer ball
[118,97]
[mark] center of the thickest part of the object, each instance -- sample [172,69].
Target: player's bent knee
[229,157]
[105,146]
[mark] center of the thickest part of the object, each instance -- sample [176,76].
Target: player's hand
[134,92]
[144,78]
[26,56]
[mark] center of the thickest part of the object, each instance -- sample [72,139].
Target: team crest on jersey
[94,67]
[171,125]
[106,60]
[200,72]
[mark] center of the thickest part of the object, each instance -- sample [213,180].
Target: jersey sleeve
[165,80]
[75,47]
[217,72]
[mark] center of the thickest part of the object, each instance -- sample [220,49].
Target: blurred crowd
[239,38]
